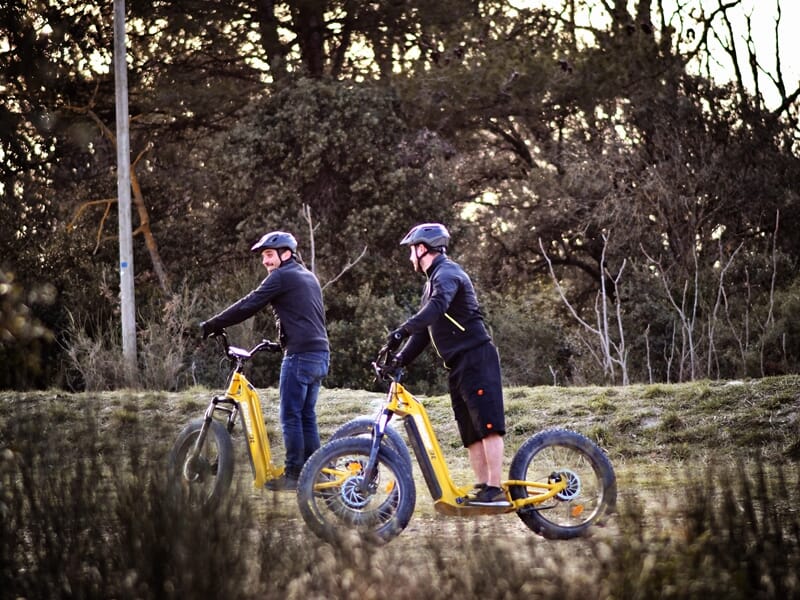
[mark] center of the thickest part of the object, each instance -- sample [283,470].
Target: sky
[763,14]
[763,20]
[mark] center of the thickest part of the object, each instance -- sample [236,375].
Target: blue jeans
[301,377]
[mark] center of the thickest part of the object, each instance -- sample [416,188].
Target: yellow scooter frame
[244,398]
[201,462]
[450,499]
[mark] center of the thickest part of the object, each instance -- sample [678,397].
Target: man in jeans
[296,298]
[451,320]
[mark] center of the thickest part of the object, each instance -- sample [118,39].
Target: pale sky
[763,22]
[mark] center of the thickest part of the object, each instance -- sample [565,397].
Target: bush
[24,339]
[164,344]
[533,347]
[735,536]
[356,340]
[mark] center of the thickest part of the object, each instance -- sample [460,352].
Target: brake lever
[386,372]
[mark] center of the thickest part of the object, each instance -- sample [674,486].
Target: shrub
[532,346]
[164,342]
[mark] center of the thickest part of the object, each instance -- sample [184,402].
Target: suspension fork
[229,406]
[378,431]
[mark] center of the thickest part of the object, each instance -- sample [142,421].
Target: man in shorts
[450,318]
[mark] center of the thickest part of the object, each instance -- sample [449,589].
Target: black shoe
[471,495]
[489,496]
[284,483]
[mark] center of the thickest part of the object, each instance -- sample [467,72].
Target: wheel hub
[573,487]
[352,492]
[195,468]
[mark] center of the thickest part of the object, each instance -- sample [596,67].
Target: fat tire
[555,520]
[215,468]
[364,426]
[328,514]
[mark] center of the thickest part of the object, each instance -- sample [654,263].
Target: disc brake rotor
[351,493]
[573,487]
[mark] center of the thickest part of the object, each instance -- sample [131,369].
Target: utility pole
[128,304]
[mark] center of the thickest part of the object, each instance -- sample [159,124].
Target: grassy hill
[707,476]
[637,423]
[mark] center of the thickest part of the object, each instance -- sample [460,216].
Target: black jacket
[296,299]
[449,316]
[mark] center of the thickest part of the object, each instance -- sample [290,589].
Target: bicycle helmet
[275,240]
[434,235]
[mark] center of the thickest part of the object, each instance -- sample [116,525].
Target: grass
[707,475]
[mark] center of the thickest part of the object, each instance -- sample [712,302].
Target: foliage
[359,336]
[96,362]
[87,516]
[591,135]
[343,151]
[533,347]
[23,337]
[737,540]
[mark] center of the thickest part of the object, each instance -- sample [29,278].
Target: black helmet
[433,235]
[275,240]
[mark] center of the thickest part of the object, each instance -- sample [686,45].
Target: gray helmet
[275,240]
[433,235]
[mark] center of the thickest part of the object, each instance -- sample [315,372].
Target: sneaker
[490,496]
[284,483]
[470,495]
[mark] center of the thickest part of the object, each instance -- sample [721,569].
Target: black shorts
[476,393]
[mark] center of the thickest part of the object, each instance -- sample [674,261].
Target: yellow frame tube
[241,391]
[404,404]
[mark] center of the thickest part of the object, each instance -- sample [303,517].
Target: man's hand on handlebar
[273,347]
[388,364]
[395,338]
[209,329]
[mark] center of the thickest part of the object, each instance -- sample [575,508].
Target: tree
[511,125]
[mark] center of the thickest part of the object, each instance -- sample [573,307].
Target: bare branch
[138,198]
[613,353]
[82,207]
[311,229]
[687,323]
[346,268]
[720,297]
[562,294]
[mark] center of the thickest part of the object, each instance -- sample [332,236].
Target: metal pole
[124,196]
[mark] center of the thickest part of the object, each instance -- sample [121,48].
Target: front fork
[371,468]
[218,403]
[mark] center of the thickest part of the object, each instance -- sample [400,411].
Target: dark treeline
[625,216]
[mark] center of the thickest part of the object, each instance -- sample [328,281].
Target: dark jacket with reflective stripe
[449,316]
[296,299]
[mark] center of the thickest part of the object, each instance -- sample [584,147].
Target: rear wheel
[591,485]
[201,479]
[335,497]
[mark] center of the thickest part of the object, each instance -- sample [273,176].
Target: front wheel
[591,489]
[201,478]
[334,495]
[364,426]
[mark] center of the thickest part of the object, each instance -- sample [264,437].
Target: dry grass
[707,474]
